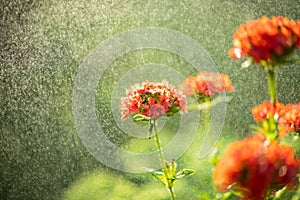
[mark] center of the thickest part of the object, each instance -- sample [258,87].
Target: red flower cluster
[152,100]
[291,117]
[267,109]
[266,38]
[288,116]
[207,83]
[252,166]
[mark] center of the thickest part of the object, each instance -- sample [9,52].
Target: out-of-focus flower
[206,83]
[267,39]
[290,117]
[255,165]
[287,116]
[266,110]
[152,100]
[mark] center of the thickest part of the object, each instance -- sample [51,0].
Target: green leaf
[280,193]
[224,196]
[141,118]
[160,176]
[184,173]
[172,168]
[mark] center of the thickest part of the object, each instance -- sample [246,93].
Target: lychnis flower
[287,116]
[206,83]
[152,100]
[266,110]
[254,166]
[291,117]
[266,40]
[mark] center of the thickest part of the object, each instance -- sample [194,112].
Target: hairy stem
[273,125]
[172,193]
[161,156]
[272,85]
[162,160]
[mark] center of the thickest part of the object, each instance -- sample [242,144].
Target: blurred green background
[43,43]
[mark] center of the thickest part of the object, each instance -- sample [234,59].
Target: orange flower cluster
[207,83]
[253,165]
[267,109]
[288,116]
[152,100]
[291,117]
[266,38]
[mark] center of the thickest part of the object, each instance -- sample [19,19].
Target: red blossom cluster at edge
[266,39]
[254,165]
[288,116]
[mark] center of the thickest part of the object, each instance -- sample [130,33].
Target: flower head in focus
[206,83]
[267,40]
[255,165]
[152,100]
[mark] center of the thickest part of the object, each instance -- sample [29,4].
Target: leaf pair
[168,176]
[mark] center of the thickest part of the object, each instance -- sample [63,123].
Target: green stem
[162,160]
[206,113]
[273,126]
[161,156]
[272,85]
[172,193]
[204,129]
